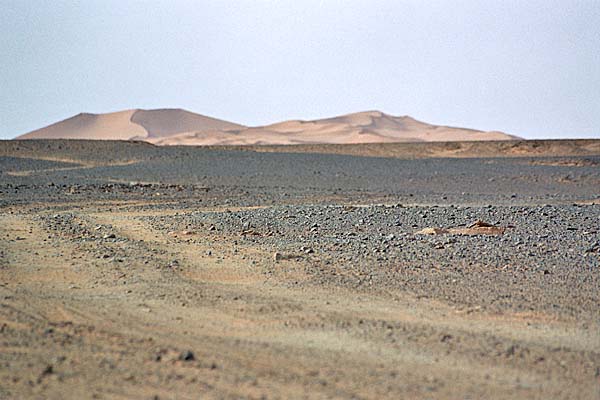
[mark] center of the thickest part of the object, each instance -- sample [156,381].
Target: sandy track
[77,325]
[112,270]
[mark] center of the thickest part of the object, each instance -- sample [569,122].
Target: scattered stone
[476,228]
[432,231]
[445,338]
[187,356]
[251,232]
[306,250]
[49,370]
[480,224]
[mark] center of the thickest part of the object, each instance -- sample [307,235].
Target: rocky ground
[133,271]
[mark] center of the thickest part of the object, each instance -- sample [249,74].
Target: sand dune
[180,127]
[165,123]
[115,125]
[130,125]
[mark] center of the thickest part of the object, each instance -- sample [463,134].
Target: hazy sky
[530,68]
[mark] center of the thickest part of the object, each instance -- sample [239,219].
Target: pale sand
[180,127]
[129,125]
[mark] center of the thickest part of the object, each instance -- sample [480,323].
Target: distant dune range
[148,125]
[181,127]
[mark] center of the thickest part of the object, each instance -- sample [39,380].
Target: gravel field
[547,254]
[134,271]
[136,171]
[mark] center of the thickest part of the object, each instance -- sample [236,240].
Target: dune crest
[116,126]
[181,127]
[167,122]
[130,125]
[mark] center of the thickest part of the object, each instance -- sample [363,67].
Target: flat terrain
[135,271]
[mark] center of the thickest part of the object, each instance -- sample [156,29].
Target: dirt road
[205,289]
[161,318]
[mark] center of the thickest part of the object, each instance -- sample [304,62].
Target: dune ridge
[181,127]
[135,124]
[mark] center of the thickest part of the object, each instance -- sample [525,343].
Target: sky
[529,68]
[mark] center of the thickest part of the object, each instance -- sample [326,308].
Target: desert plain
[461,270]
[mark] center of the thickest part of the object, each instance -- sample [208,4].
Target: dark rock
[187,356]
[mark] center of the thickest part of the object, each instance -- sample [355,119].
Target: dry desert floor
[131,271]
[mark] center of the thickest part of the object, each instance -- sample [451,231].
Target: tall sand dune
[168,122]
[115,125]
[181,127]
[130,125]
